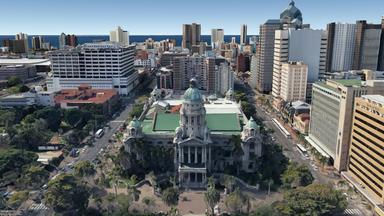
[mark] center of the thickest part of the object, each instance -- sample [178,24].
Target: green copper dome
[252,124]
[193,93]
[135,123]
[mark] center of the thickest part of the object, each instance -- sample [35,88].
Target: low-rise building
[39,98]
[301,123]
[84,96]
[21,71]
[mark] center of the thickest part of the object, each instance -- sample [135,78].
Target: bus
[281,129]
[99,133]
[302,150]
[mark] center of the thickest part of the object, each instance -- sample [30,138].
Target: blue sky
[166,16]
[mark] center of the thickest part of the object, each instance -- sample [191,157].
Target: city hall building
[201,130]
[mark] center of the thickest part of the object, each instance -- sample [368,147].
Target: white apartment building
[293,81]
[217,37]
[224,78]
[306,45]
[119,35]
[105,65]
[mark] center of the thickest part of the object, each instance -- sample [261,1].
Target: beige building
[366,155]
[331,116]
[293,81]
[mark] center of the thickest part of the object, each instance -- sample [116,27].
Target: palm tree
[131,188]
[237,151]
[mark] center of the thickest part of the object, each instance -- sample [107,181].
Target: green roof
[348,82]
[223,122]
[166,121]
[226,122]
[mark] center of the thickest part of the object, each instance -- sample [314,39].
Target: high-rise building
[201,68]
[367,45]
[224,78]
[293,81]
[23,37]
[167,58]
[191,35]
[15,46]
[243,34]
[71,40]
[253,68]
[366,157]
[37,43]
[217,38]
[331,116]
[290,17]
[242,62]
[380,66]
[305,45]
[105,65]
[62,40]
[119,35]
[340,46]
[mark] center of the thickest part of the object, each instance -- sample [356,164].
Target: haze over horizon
[166,18]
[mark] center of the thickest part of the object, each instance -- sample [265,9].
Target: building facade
[340,46]
[105,65]
[224,78]
[119,35]
[366,158]
[293,81]
[243,34]
[217,38]
[191,35]
[331,116]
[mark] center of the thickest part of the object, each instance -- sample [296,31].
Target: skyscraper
[24,37]
[62,40]
[37,42]
[119,35]
[243,34]
[306,45]
[293,81]
[290,17]
[191,35]
[217,37]
[340,47]
[367,45]
[71,40]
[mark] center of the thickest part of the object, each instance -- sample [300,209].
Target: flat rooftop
[22,61]
[348,82]
[375,98]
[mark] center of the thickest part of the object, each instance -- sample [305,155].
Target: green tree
[7,118]
[248,109]
[66,194]
[235,201]
[11,163]
[265,210]
[296,175]
[314,199]
[237,151]
[272,163]
[3,203]
[13,81]
[170,196]
[77,118]
[229,182]
[84,168]
[17,199]
[34,176]
[131,188]
[137,109]
[212,195]
[51,115]
[30,136]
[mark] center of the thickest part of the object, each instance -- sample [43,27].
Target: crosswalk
[354,212]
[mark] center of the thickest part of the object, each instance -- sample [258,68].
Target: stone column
[195,155]
[209,158]
[181,156]
[189,154]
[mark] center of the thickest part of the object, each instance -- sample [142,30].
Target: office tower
[37,43]
[366,157]
[119,35]
[242,62]
[293,81]
[331,116]
[23,37]
[167,57]
[367,46]
[199,67]
[62,41]
[71,40]
[254,64]
[104,65]
[340,46]
[15,46]
[291,17]
[224,78]
[191,35]
[306,45]
[243,34]
[217,38]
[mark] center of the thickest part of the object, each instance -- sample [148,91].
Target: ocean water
[54,39]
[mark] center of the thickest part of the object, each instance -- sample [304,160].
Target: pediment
[192,142]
